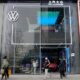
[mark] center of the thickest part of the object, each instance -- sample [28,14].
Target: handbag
[2,71]
[9,71]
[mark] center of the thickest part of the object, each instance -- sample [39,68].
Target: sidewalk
[42,77]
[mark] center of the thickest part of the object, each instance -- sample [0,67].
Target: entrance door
[54,55]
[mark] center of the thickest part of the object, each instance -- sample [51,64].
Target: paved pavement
[42,77]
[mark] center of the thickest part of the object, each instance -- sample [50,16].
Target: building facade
[33,31]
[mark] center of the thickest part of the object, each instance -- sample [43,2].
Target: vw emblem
[13,16]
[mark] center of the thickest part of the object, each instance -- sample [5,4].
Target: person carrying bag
[46,63]
[4,69]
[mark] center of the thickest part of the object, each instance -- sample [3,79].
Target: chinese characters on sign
[54,2]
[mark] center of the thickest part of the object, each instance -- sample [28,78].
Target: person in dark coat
[62,68]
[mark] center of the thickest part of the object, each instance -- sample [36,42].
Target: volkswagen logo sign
[13,16]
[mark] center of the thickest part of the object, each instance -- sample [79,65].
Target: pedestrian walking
[62,68]
[46,64]
[34,64]
[4,69]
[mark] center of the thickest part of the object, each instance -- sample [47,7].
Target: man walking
[62,68]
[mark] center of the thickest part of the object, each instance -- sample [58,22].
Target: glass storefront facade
[32,32]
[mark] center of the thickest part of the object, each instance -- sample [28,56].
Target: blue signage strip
[67,50]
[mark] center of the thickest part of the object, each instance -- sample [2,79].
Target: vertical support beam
[40,59]
[67,50]
[79,15]
[65,25]
[78,5]
[1,32]
[14,61]
[40,51]
[14,54]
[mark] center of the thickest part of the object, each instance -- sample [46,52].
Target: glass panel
[27,59]
[53,32]
[35,24]
[24,23]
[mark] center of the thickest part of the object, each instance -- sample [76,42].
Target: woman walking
[46,63]
[5,66]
